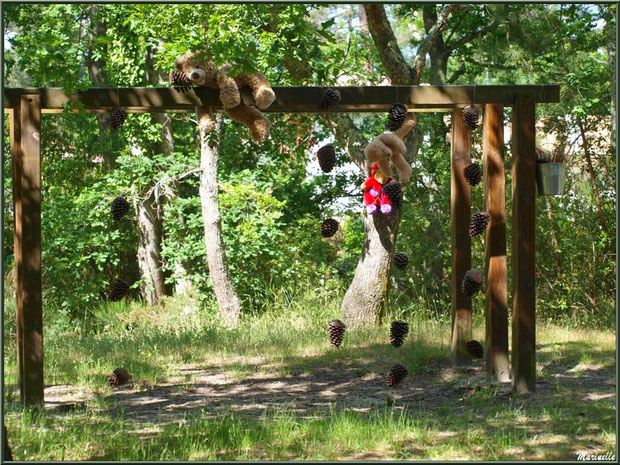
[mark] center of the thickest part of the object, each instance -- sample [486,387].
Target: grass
[573,411]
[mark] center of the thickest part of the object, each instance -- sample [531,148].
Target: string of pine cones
[396,116]
[471,116]
[398,333]
[474,348]
[329,99]
[336,330]
[401,260]
[119,288]
[327,158]
[117,118]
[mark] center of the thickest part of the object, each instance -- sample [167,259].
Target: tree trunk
[227,299]
[366,299]
[554,241]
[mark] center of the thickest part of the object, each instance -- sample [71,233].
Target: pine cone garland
[470,117]
[479,222]
[394,192]
[472,282]
[119,377]
[396,374]
[118,289]
[474,348]
[180,81]
[329,227]
[473,173]
[119,207]
[327,158]
[117,118]
[401,260]
[336,332]
[398,333]
[396,116]
[330,98]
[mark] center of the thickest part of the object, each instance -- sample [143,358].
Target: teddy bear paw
[371,209]
[386,209]
[264,97]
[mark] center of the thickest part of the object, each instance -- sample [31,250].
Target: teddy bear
[207,74]
[388,147]
[373,192]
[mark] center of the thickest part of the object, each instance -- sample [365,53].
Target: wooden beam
[523,246]
[496,299]
[461,242]
[288,99]
[28,247]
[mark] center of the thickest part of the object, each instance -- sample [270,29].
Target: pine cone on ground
[472,282]
[396,116]
[398,333]
[394,192]
[336,332]
[117,118]
[119,207]
[396,374]
[401,260]
[329,227]
[118,289]
[473,173]
[474,348]
[119,377]
[470,117]
[327,158]
[180,81]
[330,98]
[479,222]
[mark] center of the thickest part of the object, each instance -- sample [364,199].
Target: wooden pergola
[25,106]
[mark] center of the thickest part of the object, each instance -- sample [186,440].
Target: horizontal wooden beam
[288,99]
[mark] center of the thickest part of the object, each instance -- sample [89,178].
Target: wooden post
[26,153]
[523,246]
[496,299]
[461,242]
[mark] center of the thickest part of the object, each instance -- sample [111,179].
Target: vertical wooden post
[27,181]
[461,242]
[496,299]
[523,246]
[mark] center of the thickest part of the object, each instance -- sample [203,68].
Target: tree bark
[227,299]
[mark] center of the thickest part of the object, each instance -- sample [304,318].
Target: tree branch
[348,136]
[472,35]
[427,42]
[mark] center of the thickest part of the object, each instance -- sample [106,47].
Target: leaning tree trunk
[227,299]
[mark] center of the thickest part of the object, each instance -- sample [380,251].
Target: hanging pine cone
[180,81]
[336,332]
[119,377]
[472,282]
[396,116]
[118,289]
[470,117]
[327,158]
[398,333]
[474,348]
[330,98]
[117,118]
[119,207]
[396,374]
[479,222]
[329,227]
[394,192]
[401,260]
[473,173]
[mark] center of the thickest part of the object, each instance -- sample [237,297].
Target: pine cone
[474,348]
[118,289]
[401,260]
[327,158]
[329,227]
[330,98]
[479,222]
[180,81]
[472,282]
[117,118]
[398,333]
[119,377]
[396,374]
[119,207]
[470,117]
[336,332]
[473,173]
[394,192]
[396,116]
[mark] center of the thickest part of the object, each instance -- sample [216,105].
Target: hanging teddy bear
[373,192]
[189,66]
